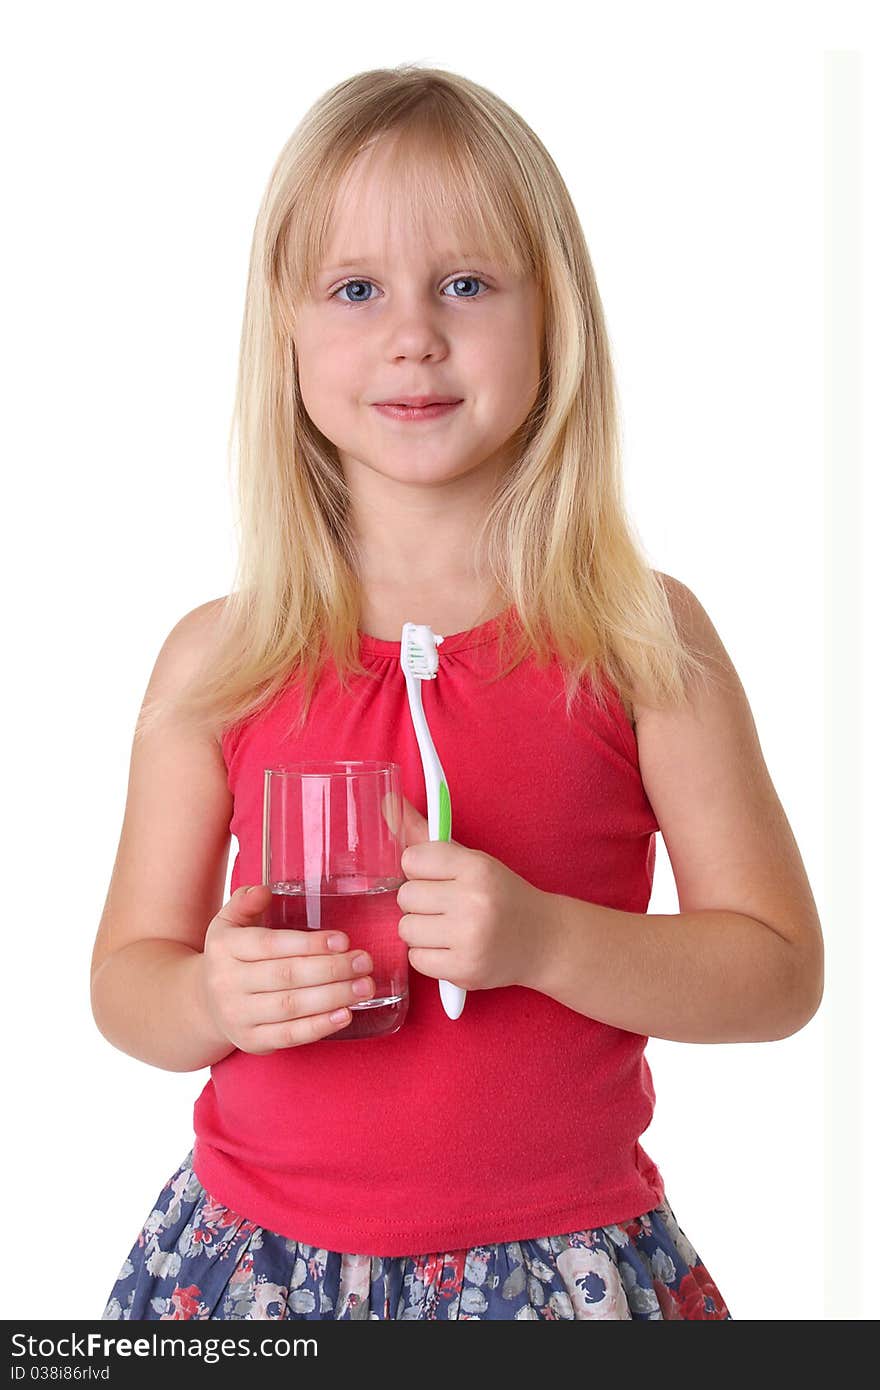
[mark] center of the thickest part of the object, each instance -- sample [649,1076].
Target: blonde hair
[556,535]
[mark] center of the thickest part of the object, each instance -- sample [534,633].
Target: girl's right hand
[273,987]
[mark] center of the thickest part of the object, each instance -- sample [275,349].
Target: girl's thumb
[415,825]
[252,898]
[244,907]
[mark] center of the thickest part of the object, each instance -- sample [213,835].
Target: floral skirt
[195,1258]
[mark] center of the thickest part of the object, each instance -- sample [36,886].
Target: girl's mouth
[417,412]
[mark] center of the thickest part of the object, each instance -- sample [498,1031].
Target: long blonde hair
[556,535]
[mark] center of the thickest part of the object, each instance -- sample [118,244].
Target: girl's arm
[168,880]
[147,1001]
[744,960]
[707,976]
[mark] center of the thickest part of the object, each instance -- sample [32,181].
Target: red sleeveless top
[521,1118]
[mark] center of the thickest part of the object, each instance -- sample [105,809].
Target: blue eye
[459,279]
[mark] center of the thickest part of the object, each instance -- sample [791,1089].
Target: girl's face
[417,318]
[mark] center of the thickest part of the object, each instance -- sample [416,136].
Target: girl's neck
[446,607]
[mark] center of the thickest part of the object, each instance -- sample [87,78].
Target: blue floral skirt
[195,1258]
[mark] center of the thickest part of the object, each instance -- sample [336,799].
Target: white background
[697,143]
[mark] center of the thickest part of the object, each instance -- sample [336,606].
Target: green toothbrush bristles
[416,658]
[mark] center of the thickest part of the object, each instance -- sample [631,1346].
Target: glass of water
[332,841]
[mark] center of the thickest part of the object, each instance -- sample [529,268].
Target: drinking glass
[332,841]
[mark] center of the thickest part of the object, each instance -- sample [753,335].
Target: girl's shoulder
[681,603]
[187,650]
[199,627]
[675,592]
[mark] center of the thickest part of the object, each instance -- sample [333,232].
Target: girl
[416,241]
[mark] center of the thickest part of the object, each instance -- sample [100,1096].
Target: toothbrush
[419,662]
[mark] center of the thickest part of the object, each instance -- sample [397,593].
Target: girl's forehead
[361,242]
[384,225]
[366,215]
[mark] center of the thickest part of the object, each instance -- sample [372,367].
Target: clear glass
[332,841]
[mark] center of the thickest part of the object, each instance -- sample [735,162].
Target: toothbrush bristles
[416,660]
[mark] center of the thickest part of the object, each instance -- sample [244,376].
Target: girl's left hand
[468,918]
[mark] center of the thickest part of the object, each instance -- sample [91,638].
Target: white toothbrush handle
[439,814]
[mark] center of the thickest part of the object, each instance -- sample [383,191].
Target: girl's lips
[417,412]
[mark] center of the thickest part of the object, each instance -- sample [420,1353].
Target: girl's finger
[294,1005]
[434,964]
[269,1037]
[301,972]
[417,929]
[275,943]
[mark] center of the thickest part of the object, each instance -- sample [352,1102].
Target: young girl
[417,241]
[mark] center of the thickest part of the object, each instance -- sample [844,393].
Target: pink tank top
[521,1118]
